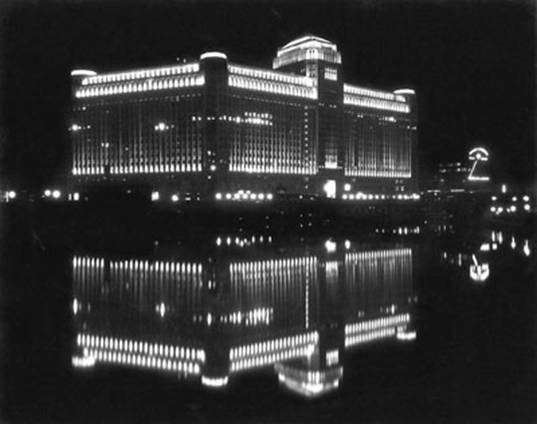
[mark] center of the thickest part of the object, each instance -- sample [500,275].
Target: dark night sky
[471,63]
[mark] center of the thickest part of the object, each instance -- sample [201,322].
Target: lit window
[330,74]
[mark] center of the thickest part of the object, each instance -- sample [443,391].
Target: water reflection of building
[229,312]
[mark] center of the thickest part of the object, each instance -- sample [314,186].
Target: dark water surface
[260,326]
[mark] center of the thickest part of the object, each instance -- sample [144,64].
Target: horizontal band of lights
[271,169]
[242,195]
[242,241]
[139,169]
[252,317]
[213,55]
[308,41]
[308,375]
[362,338]
[378,254]
[88,262]
[141,361]
[171,83]
[252,118]
[269,359]
[256,268]
[157,169]
[271,346]
[378,323]
[166,71]
[363,196]
[158,266]
[265,353]
[399,230]
[285,89]
[307,48]
[376,174]
[309,383]
[118,345]
[367,92]
[366,102]
[267,75]
[475,178]
[82,73]
[214,381]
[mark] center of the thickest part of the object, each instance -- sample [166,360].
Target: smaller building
[469,176]
[452,176]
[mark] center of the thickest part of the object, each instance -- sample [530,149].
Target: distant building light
[494,198]
[504,188]
[155,195]
[56,194]
[526,198]
[48,193]
[526,249]
[218,196]
[514,198]
[347,187]
[526,207]
[175,198]
[330,189]
[161,126]
[330,246]
[347,244]
[76,197]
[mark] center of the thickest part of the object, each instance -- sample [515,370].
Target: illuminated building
[216,129]
[211,318]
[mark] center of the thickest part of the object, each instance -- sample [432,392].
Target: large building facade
[216,129]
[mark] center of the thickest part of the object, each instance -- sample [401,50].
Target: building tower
[320,60]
